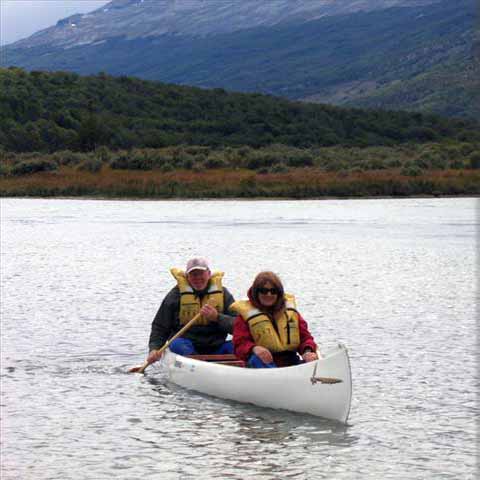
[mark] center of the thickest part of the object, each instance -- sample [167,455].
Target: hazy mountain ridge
[416,55]
[152,18]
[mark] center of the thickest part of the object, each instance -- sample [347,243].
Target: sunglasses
[264,291]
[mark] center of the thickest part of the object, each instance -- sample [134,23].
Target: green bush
[279,168]
[67,157]
[4,170]
[196,150]
[336,166]
[394,163]
[425,160]
[244,151]
[200,158]
[215,162]
[457,164]
[301,160]
[261,160]
[187,163]
[474,160]
[374,164]
[411,170]
[103,154]
[92,165]
[158,159]
[167,167]
[198,167]
[134,161]
[34,166]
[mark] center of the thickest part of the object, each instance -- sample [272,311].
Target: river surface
[394,280]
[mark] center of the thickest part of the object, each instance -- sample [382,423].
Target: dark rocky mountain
[396,54]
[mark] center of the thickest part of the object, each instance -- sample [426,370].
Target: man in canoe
[269,331]
[198,290]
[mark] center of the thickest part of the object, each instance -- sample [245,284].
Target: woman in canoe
[268,331]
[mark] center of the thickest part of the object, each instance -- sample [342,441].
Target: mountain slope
[417,56]
[135,19]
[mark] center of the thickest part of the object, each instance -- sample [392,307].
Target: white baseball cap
[196,264]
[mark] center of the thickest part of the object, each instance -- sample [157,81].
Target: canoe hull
[298,388]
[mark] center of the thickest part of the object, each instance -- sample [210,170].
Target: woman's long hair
[260,281]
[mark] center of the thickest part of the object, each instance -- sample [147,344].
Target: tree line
[50,112]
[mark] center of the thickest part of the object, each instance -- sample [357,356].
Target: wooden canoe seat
[225,359]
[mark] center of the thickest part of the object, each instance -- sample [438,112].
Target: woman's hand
[309,356]
[263,354]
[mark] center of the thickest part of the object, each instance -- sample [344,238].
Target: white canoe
[302,388]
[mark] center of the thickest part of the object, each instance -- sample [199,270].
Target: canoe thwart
[225,359]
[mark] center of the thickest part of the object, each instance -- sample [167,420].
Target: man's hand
[154,356]
[263,354]
[209,312]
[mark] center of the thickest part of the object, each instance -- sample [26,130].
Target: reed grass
[307,182]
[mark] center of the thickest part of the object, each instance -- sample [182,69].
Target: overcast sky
[20,18]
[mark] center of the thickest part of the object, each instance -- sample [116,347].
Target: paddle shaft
[170,340]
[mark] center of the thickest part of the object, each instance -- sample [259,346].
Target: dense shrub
[474,160]
[261,160]
[196,150]
[198,167]
[4,170]
[244,151]
[187,162]
[411,170]
[374,164]
[103,154]
[92,165]
[457,164]
[67,157]
[279,168]
[301,160]
[167,167]
[393,163]
[133,161]
[34,166]
[216,162]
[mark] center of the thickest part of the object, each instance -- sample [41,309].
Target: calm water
[392,279]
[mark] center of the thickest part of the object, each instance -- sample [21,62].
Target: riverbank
[240,183]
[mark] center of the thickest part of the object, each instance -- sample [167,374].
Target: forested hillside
[57,111]
[62,134]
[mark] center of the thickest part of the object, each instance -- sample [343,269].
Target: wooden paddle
[141,368]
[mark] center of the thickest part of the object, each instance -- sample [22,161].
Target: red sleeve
[242,340]
[306,339]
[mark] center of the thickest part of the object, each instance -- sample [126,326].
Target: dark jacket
[205,338]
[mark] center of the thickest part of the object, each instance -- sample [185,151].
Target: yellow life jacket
[190,304]
[279,336]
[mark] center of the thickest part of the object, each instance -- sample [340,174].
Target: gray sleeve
[165,320]
[226,319]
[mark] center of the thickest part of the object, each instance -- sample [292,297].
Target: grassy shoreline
[300,183]
[232,199]
[277,171]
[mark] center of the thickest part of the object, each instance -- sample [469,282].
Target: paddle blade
[325,380]
[137,369]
